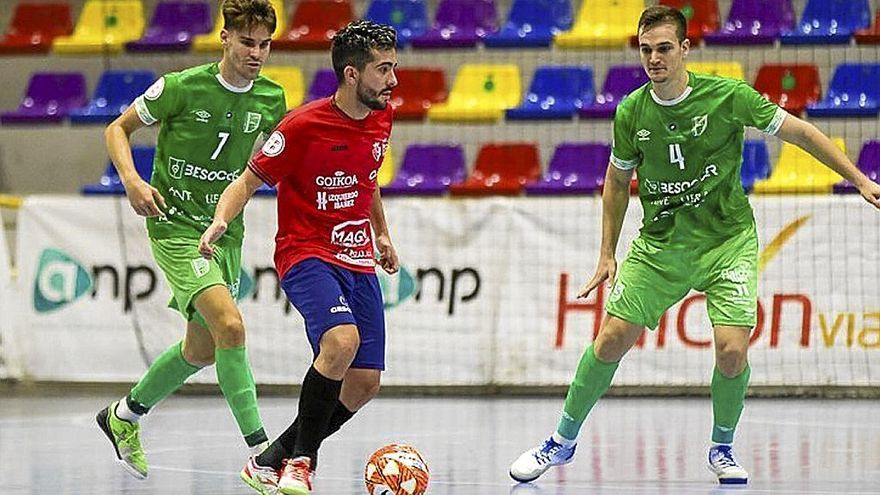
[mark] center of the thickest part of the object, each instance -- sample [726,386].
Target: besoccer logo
[60,280]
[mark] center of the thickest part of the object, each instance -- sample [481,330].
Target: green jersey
[209,129]
[688,155]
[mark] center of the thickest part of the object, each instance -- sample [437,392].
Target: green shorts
[653,277]
[188,273]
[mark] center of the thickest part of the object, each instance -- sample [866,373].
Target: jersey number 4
[224,136]
[675,155]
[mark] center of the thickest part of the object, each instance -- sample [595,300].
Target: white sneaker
[534,462]
[263,479]
[723,463]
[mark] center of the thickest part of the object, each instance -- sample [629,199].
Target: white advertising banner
[7,368]
[485,296]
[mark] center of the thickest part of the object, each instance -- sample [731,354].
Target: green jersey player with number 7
[212,117]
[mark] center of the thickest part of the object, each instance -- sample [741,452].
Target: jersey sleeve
[624,154]
[751,109]
[160,101]
[279,155]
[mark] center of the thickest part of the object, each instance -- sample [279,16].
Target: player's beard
[370,98]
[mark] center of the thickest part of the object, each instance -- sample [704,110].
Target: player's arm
[615,200]
[231,202]
[144,198]
[813,141]
[387,254]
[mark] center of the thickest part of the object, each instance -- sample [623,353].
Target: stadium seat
[109,183]
[115,92]
[291,79]
[754,22]
[602,23]
[480,93]
[501,169]
[428,170]
[459,24]
[829,22]
[49,98]
[733,70]
[34,26]
[797,172]
[408,17]
[211,42]
[173,26]
[854,92]
[313,24]
[869,163]
[532,23]
[756,163]
[387,169]
[576,168]
[104,26]
[323,85]
[871,35]
[792,87]
[556,92]
[620,81]
[417,90]
[702,18]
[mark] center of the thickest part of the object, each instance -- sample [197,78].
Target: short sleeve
[160,101]
[279,155]
[624,154]
[751,109]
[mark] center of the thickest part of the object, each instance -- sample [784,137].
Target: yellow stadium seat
[733,70]
[291,79]
[387,170]
[603,23]
[104,26]
[797,172]
[210,42]
[481,93]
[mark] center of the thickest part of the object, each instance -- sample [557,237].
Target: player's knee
[340,345]
[229,331]
[198,357]
[730,359]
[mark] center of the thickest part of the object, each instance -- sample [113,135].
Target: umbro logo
[644,135]
[202,116]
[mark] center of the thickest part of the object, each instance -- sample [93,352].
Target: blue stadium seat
[756,163]
[854,92]
[408,17]
[829,22]
[555,93]
[115,92]
[109,183]
[532,23]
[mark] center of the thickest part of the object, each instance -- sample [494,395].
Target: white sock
[719,444]
[561,440]
[123,412]
[258,449]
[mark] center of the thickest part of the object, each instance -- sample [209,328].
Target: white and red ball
[396,469]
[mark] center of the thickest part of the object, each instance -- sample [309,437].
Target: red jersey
[325,166]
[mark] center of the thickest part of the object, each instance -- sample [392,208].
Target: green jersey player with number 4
[212,117]
[683,132]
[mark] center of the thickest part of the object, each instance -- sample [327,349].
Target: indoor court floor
[628,446]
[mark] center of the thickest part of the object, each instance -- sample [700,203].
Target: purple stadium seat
[323,85]
[621,81]
[459,24]
[173,26]
[49,98]
[754,22]
[869,163]
[427,170]
[576,168]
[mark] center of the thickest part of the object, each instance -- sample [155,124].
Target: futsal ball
[396,469]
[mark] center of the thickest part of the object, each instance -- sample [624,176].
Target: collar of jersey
[232,88]
[674,101]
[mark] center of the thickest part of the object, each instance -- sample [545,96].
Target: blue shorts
[327,295]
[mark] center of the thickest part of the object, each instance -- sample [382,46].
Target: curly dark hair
[243,15]
[354,44]
[661,14]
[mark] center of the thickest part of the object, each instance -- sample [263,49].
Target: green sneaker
[125,439]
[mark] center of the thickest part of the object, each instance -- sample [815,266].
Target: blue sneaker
[723,463]
[534,462]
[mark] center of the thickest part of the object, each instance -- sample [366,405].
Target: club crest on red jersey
[379,148]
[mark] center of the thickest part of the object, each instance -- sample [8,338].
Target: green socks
[237,383]
[166,374]
[728,396]
[590,382]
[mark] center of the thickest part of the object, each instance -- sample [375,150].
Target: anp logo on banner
[60,280]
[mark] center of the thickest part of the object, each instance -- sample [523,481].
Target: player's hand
[387,254]
[871,192]
[209,237]
[145,199]
[605,270]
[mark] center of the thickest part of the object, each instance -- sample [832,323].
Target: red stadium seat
[501,169]
[314,23]
[702,17]
[34,25]
[416,91]
[871,35]
[792,87]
